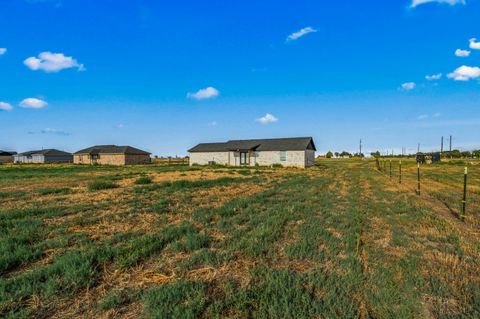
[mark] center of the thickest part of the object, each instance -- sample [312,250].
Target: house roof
[49,152]
[7,153]
[112,149]
[274,144]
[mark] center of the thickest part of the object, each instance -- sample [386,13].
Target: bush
[99,185]
[143,180]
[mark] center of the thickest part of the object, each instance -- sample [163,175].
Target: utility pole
[418,148]
[441,148]
[450,146]
[360,148]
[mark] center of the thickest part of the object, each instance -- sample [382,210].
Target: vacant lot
[340,240]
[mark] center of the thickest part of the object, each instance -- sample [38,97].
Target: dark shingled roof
[112,149]
[274,144]
[46,152]
[7,153]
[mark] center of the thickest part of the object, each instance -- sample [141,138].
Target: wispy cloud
[434,77]
[52,62]
[426,116]
[204,94]
[408,86]
[3,51]
[33,103]
[416,3]
[120,125]
[422,117]
[465,73]
[51,131]
[4,106]
[474,44]
[302,32]
[268,118]
[212,124]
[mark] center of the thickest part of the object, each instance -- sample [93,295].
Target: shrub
[99,185]
[143,180]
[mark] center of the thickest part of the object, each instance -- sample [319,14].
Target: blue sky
[164,76]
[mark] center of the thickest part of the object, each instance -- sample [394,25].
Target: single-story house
[299,152]
[111,155]
[43,156]
[6,157]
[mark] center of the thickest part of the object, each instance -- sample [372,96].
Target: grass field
[340,240]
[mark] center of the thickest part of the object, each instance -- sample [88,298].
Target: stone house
[297,152]
[111,155]
[6,157]
[43,156]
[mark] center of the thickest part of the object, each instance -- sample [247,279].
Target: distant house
[6,157]
[299,152]
[111,155]
[43,156]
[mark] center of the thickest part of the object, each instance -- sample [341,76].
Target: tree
[329,154]
[375,154]
[336,154]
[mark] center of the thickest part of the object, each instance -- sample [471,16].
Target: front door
[244,158]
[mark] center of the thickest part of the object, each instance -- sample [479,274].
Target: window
[243,158]
[283,156]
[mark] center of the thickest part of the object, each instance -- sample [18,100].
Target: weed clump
[55,191]
[144,180]
[100,185]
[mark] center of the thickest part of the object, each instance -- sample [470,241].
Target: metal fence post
[400,172]
[464,201]
[418,178]
[390,168]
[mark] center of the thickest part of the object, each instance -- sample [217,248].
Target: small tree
[336,154]
[375,154]
[329,154]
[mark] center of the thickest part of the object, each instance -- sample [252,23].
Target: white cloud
[301,33]
[54,131]
[462,53]
[120,125]
[437,114]
[204,94]
[33,103]
[465,73]
[474,44]
[212,124]
[52,62]
[416,3]
[422,117]
[268,118]
[434,77]
[408,86]
[3,51]
[5,106]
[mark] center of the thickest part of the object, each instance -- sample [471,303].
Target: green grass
[143,180]
[336,241]
[101,185]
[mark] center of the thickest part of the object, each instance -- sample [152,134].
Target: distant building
[111,155]
[298,152]
[6,157]
[43,156]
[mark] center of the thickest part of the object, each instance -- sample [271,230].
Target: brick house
[6,157]
[298,152]
[111,155]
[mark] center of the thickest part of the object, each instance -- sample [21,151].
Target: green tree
[329,154]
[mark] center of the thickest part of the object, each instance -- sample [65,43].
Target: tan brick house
[111,155]
[297,151]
